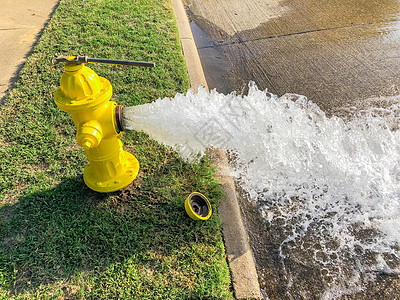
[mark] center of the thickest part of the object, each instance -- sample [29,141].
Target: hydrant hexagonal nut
[87,143]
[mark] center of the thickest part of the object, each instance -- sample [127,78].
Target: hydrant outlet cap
[198,207]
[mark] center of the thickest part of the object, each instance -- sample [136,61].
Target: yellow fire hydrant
[86,96]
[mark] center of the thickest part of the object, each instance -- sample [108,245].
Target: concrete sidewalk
[20,25]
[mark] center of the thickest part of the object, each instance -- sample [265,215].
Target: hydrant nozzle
[86,96]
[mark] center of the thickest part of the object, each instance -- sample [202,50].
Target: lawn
[58,238]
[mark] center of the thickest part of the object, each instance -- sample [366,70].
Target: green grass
[59,239]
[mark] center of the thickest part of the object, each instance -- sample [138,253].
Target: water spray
[86,96]
[326,190]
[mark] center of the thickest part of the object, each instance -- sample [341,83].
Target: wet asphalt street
[334,52]
[337,53]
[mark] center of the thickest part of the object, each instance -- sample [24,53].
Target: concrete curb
[240,258]
[193,63]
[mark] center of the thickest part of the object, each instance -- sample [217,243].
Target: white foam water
[331,186]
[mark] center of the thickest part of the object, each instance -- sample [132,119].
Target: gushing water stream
[328,188]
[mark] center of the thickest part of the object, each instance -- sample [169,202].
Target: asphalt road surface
[334,52]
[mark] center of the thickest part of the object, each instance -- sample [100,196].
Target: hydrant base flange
[117,182]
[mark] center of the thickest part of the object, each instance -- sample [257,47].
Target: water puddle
[327,190]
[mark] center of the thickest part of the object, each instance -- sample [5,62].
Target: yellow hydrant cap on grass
[198,207]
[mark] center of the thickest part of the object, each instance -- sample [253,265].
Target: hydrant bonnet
[81,88]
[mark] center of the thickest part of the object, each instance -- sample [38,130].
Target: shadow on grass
[52,234]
